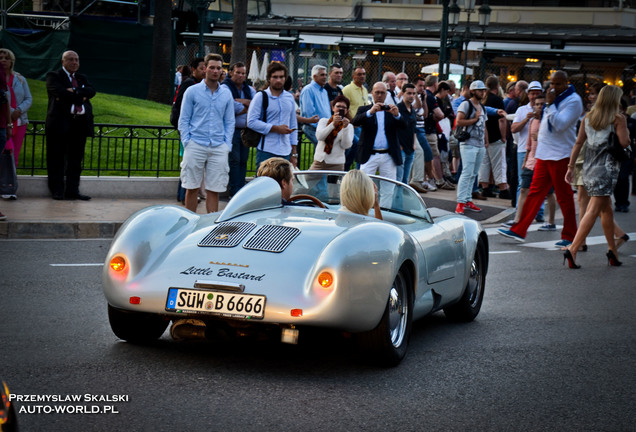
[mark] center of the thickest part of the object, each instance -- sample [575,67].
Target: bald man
[69,120]
[379,148]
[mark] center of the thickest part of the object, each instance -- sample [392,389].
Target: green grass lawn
[107,108]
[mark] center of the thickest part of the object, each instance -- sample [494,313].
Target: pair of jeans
[403,171]
[352,152]
[262,156]
[426,147]
[310,133]
[237,160]
[471,161]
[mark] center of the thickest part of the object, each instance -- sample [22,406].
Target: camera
[341,113]
[385,108]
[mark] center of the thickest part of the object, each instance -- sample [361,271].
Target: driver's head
[280,170]
[357,193]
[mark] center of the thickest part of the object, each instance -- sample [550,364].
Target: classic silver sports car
[260,264]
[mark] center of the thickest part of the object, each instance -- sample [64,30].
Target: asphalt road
[553,349]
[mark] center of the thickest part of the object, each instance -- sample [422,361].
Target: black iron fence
[127,150]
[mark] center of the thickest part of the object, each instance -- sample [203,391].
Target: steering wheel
[313,199]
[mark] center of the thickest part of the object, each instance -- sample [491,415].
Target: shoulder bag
[250,137]
[616,150]
[461,133]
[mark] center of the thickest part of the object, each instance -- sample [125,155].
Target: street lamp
[453,19]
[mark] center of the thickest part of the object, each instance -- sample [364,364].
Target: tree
[161,81]
[239,34]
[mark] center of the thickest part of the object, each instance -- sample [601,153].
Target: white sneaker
[430,185]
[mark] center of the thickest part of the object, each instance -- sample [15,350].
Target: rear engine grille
[227,234]
[272,238]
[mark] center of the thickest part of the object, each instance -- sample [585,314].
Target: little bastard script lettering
[224,272]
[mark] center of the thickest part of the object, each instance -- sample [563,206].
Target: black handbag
[251,138]
[461,133]
[8,176]
[616,150]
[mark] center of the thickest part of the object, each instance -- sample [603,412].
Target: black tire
[136,327]
[387,344]
[468,307]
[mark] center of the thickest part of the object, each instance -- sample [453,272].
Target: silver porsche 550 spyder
[261,264]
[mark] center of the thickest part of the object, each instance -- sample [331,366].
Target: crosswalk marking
[549,244]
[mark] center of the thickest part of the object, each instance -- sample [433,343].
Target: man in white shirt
[390,80]
[557,135]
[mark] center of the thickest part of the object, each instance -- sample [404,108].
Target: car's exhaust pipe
[188,329]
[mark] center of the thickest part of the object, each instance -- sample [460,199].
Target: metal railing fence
[127,150]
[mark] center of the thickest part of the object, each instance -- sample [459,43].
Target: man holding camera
[379,149]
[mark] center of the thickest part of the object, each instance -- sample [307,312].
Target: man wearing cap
[557,135]
[471,114]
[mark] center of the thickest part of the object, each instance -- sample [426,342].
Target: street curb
[25,230]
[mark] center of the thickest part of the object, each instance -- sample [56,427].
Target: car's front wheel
[136,327]
[468,307]
[387,344]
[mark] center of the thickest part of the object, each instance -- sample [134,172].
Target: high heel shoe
[620,241]
[612,260]
[567,255]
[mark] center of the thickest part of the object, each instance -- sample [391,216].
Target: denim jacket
[22,96]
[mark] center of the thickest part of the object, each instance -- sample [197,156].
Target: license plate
[235,305]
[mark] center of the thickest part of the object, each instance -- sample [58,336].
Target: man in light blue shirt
[280,126]
[206,125]
[314,100]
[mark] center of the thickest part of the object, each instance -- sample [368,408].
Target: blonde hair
[9,54]
[606,108]
[357,193]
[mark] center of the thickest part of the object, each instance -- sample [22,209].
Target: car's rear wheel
[468,307]
[387,344]
[136,327]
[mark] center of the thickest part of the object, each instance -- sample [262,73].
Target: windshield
[393,196]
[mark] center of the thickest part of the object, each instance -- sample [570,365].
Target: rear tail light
[118,264]
[325,279]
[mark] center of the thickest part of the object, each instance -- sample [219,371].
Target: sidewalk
[36,216]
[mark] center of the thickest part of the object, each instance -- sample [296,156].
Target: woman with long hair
[600,169]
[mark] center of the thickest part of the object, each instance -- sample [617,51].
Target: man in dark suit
[379,149]
[69,120]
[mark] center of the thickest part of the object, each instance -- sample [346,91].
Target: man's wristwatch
[294,155]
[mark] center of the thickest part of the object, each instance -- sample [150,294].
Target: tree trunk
[161,81]
[239,34]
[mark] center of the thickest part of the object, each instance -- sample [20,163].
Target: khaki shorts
[213,161]
[432,141]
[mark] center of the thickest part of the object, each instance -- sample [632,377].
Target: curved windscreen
[393,196]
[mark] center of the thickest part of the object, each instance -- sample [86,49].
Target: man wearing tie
[379,149]
[69,120]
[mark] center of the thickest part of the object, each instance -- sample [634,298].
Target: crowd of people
[480,140]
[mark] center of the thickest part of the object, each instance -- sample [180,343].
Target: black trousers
[64,155]
[621,191]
